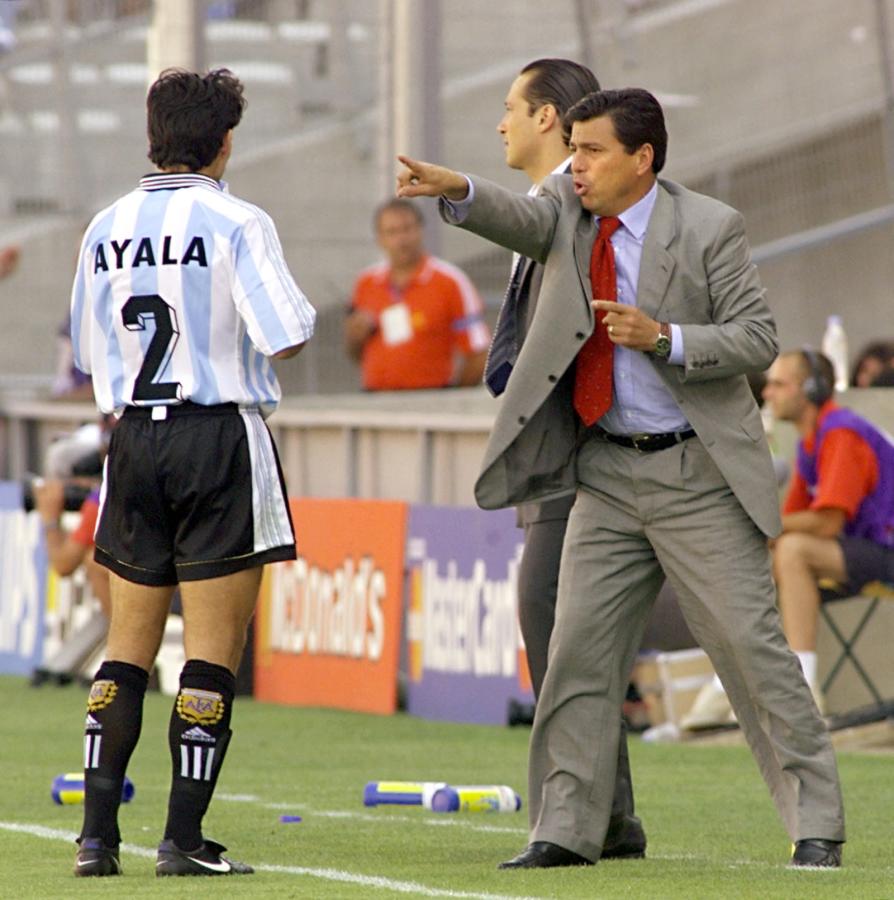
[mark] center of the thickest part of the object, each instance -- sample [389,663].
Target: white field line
[337,875]
[444,819]
[405,887]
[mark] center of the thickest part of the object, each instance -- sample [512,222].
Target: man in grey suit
[535,142]
[674,475]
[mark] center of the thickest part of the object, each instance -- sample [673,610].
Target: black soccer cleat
[208,859]
[94,858]
[815,853]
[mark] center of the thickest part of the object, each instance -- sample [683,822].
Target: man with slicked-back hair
[535,142]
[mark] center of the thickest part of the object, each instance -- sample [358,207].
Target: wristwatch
[663,341]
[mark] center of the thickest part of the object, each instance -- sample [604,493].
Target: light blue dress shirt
[640,401]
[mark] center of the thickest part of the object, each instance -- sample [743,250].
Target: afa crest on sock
[102,693]
[200,707]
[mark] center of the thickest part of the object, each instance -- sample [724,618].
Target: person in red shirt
[415,321]
[837,516]
[67,550]
[836,520]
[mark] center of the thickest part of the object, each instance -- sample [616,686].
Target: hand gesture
[628,326]
[422,179]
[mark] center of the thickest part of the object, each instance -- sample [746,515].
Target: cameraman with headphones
[838,514]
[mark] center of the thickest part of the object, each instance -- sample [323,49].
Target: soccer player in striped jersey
[181,298]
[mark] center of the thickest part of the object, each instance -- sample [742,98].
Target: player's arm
[847,473]
[65,554]
[827,522]
[471,369]
[289,352]
[278,316]
[359,327]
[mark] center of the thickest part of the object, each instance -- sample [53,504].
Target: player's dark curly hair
[188,116]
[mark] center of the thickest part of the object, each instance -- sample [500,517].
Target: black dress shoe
[544,855]
[816,853]
[624,840]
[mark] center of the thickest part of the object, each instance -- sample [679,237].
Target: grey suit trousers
[638,514]
[538,582]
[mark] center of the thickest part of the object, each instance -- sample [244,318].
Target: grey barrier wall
[419,446]
[426,447]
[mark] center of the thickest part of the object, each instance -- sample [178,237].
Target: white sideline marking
[339,875]
[372,817]
[402,887]
[57,834]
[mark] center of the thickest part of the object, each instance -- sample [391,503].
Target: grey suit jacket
[545,510]
[696,271]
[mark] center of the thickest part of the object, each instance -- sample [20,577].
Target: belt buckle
[641,439]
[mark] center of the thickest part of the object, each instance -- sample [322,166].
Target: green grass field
[711,826]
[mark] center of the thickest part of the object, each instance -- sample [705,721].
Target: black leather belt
[186,408]
[647,443]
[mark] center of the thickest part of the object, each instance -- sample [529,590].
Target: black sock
[114,719]
[198,737]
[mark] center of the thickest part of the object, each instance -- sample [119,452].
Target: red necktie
[593,373]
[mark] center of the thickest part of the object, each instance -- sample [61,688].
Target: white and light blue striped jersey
[182,293]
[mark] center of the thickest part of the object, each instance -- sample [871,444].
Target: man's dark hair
[883,351]
[559,82]
[189,114]
[885,378]
[397,203]
[636,115]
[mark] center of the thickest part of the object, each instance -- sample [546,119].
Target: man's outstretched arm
[422,179]
[520,223]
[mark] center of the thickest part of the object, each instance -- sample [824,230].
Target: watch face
[662,345]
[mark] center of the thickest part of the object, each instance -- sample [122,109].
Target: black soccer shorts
[865,561]
[198,494]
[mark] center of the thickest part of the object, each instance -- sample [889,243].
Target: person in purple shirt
[837,516]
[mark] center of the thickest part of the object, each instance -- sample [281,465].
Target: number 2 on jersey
[137,312]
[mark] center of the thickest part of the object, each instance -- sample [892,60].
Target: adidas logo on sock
[199,735]
[91,724]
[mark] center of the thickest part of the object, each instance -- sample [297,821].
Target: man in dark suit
[654,423]
[535,142]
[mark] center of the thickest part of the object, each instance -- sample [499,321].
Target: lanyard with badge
[395,321]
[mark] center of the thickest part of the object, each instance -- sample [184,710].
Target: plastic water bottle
[834,346]
[69,789]
[401,793]
[476,798]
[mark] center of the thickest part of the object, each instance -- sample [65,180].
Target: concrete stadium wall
[772,107]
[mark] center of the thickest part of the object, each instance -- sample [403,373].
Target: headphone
[817,387]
